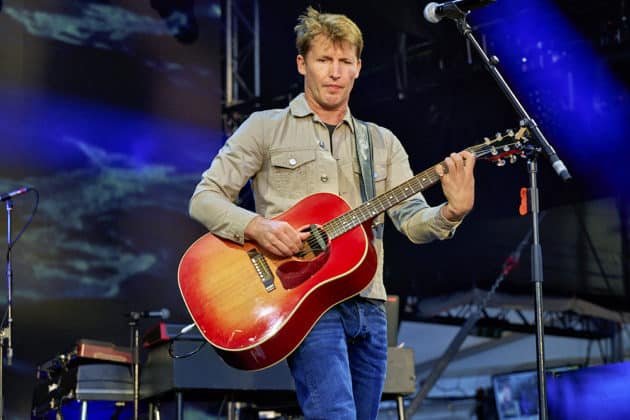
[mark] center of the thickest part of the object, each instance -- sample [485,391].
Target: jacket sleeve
[213,201]
[414,217]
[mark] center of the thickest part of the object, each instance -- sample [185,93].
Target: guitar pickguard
[295,272]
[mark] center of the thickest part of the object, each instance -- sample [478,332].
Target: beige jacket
[287,155]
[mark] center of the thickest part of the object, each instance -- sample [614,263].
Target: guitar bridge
[262,269]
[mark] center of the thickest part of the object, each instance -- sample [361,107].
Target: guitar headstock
[503,147]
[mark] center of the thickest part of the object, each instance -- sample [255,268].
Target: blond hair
[337,28]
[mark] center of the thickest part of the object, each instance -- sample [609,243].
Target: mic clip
[162,313]
[452,11]
[134,316]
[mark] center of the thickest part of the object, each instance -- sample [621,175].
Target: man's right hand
[275,236]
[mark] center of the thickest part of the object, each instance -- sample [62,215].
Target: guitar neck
[366,211]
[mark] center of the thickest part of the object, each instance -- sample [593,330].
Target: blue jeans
[339,369]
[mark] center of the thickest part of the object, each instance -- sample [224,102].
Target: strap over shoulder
[365,155]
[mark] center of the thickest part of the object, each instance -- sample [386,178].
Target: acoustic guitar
[256,308]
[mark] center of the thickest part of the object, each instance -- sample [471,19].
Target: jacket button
[324,178]
[292,162]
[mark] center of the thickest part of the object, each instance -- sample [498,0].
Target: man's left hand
[458,185]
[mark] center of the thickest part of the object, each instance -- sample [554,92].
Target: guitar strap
[365,155]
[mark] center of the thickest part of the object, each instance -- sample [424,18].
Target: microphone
[163,313]
[434,12]
[11,194]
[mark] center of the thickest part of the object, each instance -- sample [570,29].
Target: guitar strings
[313,244]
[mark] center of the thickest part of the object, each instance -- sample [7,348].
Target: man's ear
[356,76]
[301,64]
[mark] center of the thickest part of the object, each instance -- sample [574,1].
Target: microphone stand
[459,17]
[135,352]
[6,333]
[134,318]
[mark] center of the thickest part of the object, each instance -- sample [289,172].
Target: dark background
[112,111]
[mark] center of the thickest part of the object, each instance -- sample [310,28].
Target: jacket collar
[299,108]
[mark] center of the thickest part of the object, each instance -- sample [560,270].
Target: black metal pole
[537,280]
[135,368]
[6,332]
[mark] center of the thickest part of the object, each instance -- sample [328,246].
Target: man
[309,147]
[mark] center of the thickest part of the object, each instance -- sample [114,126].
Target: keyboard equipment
[90,370]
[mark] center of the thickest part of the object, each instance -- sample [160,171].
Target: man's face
[329,72]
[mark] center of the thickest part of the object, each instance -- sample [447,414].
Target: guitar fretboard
[366,211]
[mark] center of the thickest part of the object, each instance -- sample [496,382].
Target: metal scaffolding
[242,51]
[242,57]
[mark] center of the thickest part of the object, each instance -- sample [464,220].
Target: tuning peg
[493,151]
[513,158]
[500,162]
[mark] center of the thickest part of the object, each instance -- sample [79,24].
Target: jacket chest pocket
[380,176]
[292,172]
